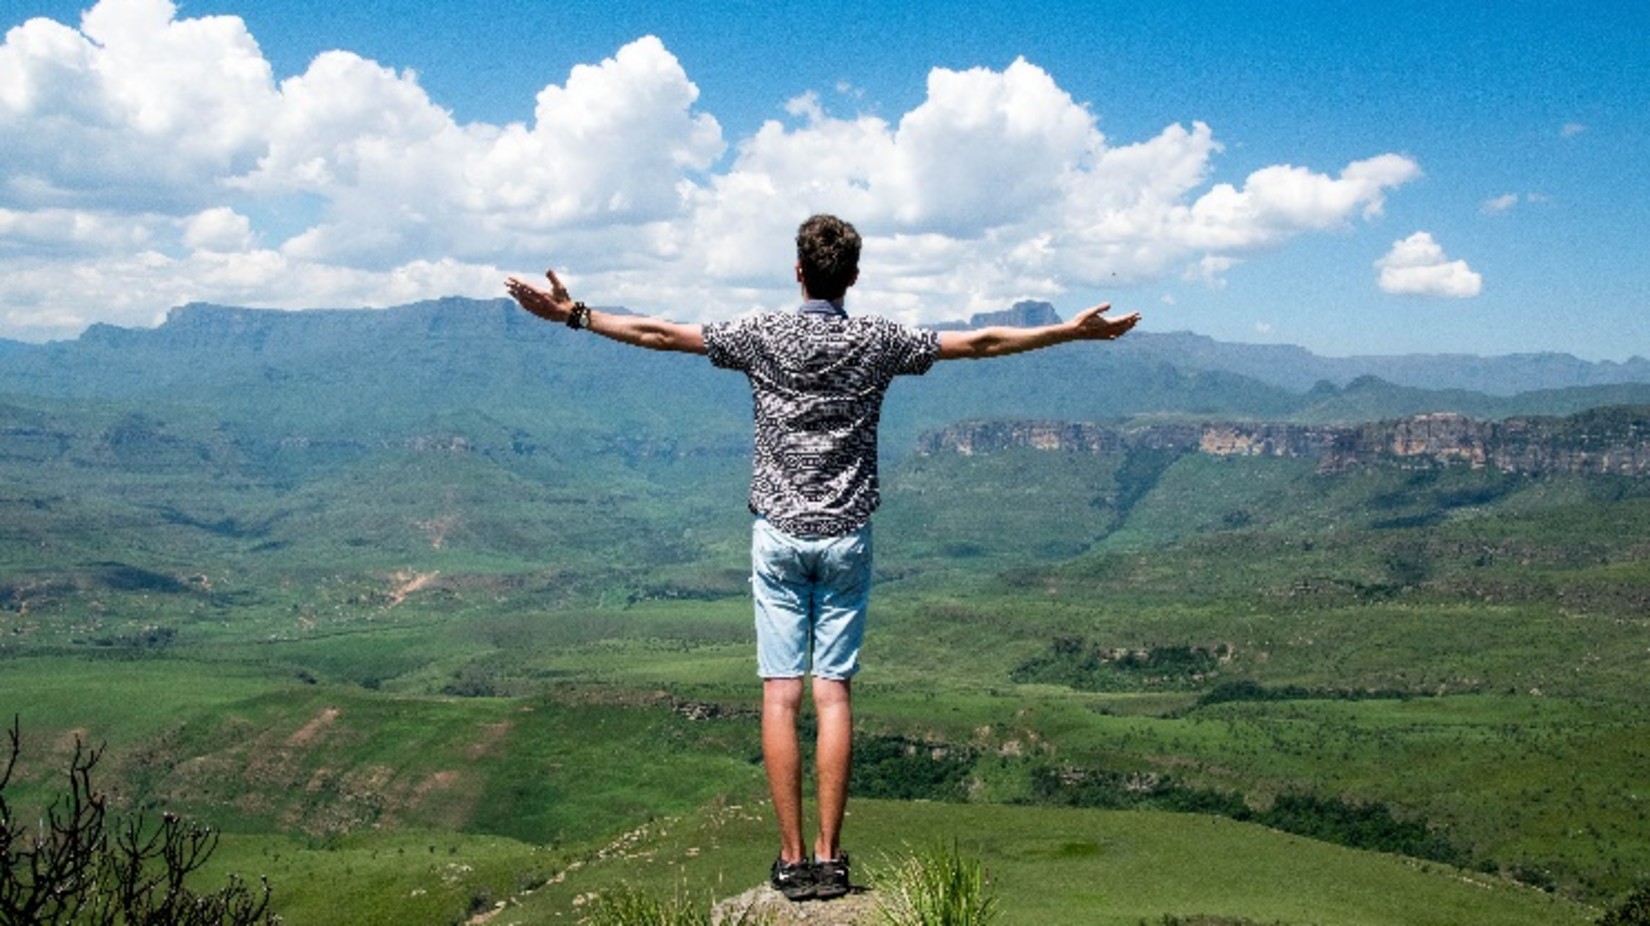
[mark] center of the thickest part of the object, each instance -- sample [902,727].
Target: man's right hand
[553,304]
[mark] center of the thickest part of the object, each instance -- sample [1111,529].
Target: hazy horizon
[1632,359]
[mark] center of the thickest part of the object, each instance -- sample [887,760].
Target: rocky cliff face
[984,437]
[1609,440]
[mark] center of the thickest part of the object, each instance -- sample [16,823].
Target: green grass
[123,701]
[386,878]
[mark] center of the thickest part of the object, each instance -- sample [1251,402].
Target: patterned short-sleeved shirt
[817,382]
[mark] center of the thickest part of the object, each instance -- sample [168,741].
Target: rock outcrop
[1612,441]
[769,907]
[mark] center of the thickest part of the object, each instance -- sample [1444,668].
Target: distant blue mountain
[1298,369]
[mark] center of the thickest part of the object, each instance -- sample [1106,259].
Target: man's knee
[832,693]
[782,693]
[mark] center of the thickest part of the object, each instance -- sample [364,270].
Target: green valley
[433,610]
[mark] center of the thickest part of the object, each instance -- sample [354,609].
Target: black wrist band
[579,318]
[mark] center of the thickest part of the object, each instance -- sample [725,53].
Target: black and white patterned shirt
[817,379]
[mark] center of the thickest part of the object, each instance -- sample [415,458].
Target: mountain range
[361,370]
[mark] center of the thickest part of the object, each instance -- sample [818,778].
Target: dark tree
[77,864]
[1634,911]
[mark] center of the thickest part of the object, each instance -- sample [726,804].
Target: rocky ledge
[764,906]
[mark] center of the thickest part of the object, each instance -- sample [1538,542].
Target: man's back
[818,378]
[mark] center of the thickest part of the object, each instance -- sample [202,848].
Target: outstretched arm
[1000,341]
[555,305]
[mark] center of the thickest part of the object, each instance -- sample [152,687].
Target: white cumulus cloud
[136,109]
[153,158]
[1416,266]
[218,229]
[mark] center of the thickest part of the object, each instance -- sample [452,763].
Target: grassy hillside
[363,808]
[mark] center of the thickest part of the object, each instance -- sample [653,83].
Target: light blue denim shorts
[811,594]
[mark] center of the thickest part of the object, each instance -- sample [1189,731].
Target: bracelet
[579,318]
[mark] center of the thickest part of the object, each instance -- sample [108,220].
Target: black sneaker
[831,877]
[796,881]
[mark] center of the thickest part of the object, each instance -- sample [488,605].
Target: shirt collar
[831,308]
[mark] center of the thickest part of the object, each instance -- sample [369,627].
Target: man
[818,378]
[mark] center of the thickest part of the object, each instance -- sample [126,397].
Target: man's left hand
[1094,325]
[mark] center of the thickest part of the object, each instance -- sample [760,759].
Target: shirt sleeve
[728,344]
[914,350]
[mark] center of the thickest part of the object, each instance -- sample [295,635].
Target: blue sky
[1356,178]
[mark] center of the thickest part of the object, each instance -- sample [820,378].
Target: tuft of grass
[628,906]
[936,886]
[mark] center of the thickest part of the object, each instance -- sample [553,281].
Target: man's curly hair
[827,249]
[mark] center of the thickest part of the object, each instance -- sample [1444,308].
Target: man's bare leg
[835,753]
[781,699]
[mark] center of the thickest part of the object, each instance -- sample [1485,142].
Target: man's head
[827,257]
